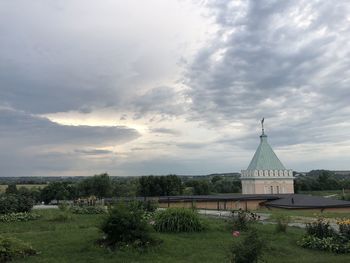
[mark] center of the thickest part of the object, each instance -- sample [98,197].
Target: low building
[255,202]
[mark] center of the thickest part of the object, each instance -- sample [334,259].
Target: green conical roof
[265,158]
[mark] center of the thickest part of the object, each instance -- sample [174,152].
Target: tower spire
[262,126]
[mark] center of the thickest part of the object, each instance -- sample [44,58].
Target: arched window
[271,189]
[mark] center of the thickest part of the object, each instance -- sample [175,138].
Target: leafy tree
[11,189]
[200,187]
[98,185]
[55,191]
[160,185]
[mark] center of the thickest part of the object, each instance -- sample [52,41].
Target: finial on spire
[262,125]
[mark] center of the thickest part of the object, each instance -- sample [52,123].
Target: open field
[335,194]
[74,241]
[29,186]
[303,213]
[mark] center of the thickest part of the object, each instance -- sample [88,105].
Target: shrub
[344,228]
[19,217]
[63,206]
[178,220]
[125,225]
[281,222]
[320,228]
[148,206]
[249,249]
[331,244]
[11,248]
[87,210]
[14,203]
[242,220]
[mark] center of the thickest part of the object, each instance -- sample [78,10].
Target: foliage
[321,236]
[178,220]
[331,244]
[14,203]
[11,189]
[223,185]
[200,187]
[11,248]
[249,249]
[87,210]
[344,228]
[316,180]
[320,228]
[160,185]
[33,193]
[242,220]
[97,185]
[19,217]
[125,225]
[282,221]
[345,197]
[57,191]
[147,206]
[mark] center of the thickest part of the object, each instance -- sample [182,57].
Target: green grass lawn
[303,213]
[74,241]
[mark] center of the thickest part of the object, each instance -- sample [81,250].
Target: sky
[172,87]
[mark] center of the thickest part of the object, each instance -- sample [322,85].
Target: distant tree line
[318,180]
[105,186]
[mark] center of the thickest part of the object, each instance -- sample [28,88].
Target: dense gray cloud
[82,55]
[285,60]
[21,127]
[128,62]
[34,145]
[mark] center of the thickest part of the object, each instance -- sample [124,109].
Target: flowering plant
[344,228]
[236,233]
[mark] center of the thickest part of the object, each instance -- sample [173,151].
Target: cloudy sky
[178,86]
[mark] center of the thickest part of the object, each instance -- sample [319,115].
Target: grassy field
[335,194]
[3,187]
[303,213]
[74,241]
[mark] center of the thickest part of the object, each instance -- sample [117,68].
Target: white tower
[265,173]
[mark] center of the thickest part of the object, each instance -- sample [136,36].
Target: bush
[249,249]
[243,219]
[281,222]
[87,210]
[19,217]
[321,236]
[148,206]
[331,244]
[178,220]
[320,228]
[125,225]
[14,203]
[11,248]
[344,229]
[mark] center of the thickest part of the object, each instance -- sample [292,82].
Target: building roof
[229,197]
[265,158]
[287,201]
[299,201]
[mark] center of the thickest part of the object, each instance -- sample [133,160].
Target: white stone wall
[267,182]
